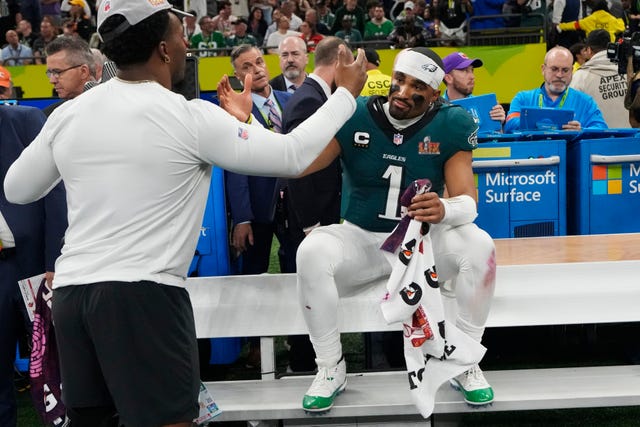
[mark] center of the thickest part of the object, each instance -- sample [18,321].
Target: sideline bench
[540,281]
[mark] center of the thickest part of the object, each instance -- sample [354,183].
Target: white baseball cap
[409,5]
[134,11]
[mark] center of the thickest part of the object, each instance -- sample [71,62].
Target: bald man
[557,71]
[293,61]
[15,53]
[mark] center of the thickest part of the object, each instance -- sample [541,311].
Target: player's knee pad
[474,245]
[475,239]
[483,241]
[317,254]
[482,256]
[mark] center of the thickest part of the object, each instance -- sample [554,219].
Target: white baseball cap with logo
[134,11]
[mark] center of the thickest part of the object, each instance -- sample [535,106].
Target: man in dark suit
[252,200]
[31,238]
[293,61]
[313,200]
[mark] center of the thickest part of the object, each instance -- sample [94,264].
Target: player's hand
[572,125]
[242,234]
[497,113]
[48,279]
[237,104]
[351,74]
[427,207]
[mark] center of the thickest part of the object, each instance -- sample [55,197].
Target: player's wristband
[459,210]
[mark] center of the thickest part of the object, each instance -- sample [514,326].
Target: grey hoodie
[599,78]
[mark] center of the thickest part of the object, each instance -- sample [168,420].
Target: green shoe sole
[319,403]
[481,397]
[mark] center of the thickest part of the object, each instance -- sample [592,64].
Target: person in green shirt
[348,33]
[241,36]
[207,39]
[379,27]
[325,15]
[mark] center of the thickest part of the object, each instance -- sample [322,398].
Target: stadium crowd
[218,26]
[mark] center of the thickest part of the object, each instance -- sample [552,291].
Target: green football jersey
[379,162]
[215,40]
[373,31]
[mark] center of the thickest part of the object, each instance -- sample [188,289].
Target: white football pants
[341,259]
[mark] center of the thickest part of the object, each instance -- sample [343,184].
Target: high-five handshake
[351,74]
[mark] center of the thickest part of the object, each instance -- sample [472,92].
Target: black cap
[372,56]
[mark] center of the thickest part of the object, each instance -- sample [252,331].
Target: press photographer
[626,53]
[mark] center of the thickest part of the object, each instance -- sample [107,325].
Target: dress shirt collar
[325,87]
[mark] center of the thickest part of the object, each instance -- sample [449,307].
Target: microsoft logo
[607,179]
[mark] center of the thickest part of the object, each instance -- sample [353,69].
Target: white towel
[435,351]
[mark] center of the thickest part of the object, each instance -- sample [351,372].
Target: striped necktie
[274,116]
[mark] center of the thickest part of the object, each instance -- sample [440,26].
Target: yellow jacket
[377,84]
[599,19]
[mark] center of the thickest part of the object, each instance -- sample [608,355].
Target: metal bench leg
[267,358]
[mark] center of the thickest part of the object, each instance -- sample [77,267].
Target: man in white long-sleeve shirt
[136,161]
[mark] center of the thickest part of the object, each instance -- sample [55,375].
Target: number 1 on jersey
[394,175]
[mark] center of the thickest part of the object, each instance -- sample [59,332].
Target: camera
[627,45]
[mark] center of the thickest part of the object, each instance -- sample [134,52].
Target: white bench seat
[539,281]
[386,393]
[526,295]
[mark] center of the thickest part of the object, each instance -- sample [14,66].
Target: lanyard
[564,98]
[15,52]
[266,118]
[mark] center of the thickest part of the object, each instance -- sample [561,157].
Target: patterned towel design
[44,369]
[435,351]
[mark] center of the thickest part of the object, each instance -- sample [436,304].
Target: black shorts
[132,345]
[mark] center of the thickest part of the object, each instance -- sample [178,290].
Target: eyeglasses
[58,73]
[555,70]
